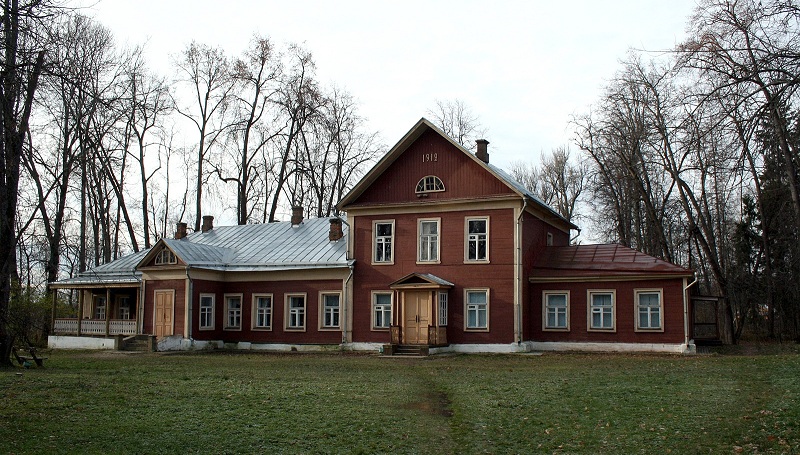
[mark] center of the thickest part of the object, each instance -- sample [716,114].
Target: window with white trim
[649,309]
[477,309]
[330,302]
[165,256]
[381,310]
[262,311]
[602,310]
[429,184]
[295,311]
[233,312]
[477,236]
[442,308]
[428,241]
[206,312]
[556,310]
[383,242]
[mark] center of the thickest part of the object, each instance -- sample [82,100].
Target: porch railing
[95,327]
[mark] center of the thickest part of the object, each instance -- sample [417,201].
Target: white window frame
[381,240]
[228,325]
[324,310]
[386,311]
[470,238]
[637,293]
[210,312]
[257,312]
[470,307]
[429,184]
[289,312]
[443,304]
[546,308]
[428,238]
[591,310]
[549,241]
[165,257]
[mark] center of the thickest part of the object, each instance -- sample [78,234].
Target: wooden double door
[164,313]
[417,312]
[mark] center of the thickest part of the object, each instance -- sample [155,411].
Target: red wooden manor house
[440,251]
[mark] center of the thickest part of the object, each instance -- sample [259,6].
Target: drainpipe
[344,306]
[517,275]
[686,310]
[189,295]
[140,310]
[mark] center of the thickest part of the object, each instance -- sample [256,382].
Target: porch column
[108,309]
[81,293]
[53,311]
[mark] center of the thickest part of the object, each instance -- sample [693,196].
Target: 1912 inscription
[430,157]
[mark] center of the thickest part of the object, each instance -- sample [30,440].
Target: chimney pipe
[180,231]
[208,223]
[481,153]
[297,216]
[336,230]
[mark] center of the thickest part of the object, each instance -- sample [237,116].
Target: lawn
[88,402]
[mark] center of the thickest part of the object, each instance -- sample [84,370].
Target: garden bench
[23,359]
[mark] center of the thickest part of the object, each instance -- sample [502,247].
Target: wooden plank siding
[432,154]
[497,275]
[179,317]
[311,335]
[625,312]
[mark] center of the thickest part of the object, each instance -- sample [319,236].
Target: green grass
[85,402]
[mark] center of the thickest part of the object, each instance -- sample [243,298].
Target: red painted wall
[179,318]
[534,240]
[431,154]
[497,275]
[625,312]
[278,289]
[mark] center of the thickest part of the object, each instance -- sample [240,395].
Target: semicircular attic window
[429,184]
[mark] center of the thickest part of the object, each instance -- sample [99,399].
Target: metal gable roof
[263,247]
[249,248]
[118,272]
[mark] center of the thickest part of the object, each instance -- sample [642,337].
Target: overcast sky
[523,67]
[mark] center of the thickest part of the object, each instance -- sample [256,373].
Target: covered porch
[100,312]
[419,317]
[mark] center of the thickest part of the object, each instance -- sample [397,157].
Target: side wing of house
[608,297]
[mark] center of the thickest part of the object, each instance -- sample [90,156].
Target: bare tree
[22,61]
[456,120]
[206,72]
[256,75]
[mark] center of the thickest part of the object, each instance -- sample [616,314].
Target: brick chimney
[208,223]
[481,153]
[336,230]
[297,216]
[180,231]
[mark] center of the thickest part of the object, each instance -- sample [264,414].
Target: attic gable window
[429,184]
[166,256]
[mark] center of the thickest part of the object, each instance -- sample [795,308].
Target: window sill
[553,329]
[611,330]
[232,329]
[655,330]
[382,263]
[329,329]
[294,329]
[261,329]
[476,261]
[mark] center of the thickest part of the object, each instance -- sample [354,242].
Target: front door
[165,303]
[416,316]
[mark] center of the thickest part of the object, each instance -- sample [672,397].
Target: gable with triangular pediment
[432,155]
